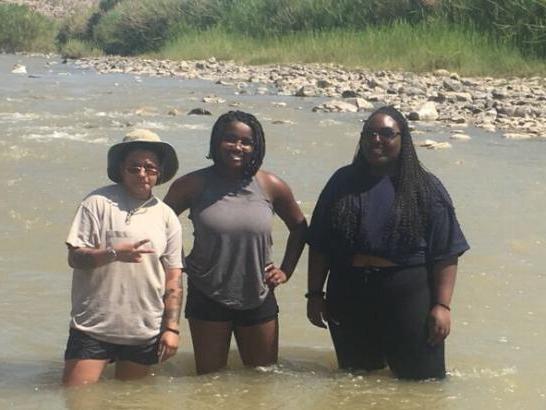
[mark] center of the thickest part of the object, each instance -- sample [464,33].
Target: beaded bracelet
[314,294]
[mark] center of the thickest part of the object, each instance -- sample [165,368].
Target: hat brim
[169,160]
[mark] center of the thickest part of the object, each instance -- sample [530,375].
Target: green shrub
[74,48]
[134,27]
[76,26]
[24,30]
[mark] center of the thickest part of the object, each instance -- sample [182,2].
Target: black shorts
[82,346]
[201,307]
[380,317]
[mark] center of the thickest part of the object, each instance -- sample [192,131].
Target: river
[57,124]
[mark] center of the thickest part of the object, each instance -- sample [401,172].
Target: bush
[134,27]
[24,30]
[74,48]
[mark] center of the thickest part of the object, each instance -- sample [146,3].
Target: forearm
[444,274]
[173,298]
[294,247]
[89,258]
[318,269]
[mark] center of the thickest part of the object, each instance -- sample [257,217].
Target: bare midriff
[367,261]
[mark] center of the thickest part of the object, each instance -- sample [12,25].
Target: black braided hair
[258,152]
[413,186]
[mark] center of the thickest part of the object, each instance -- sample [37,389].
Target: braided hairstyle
[413,187]
[258,153]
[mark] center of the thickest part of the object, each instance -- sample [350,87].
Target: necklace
[135,210]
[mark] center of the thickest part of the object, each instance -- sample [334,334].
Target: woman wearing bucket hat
[231,275]
[126,251]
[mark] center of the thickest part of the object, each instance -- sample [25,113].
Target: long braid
[258,153]
[413,193]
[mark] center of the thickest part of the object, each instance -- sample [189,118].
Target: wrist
[445,306]
[172,330]
[315,294]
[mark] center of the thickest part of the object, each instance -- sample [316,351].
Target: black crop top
[443,237]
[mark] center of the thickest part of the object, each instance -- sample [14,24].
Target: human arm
[444,273]
[182,191]
[170,338]
[90,258]
[318,268]
[288,210]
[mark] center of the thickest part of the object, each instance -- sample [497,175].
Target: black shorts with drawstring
[379,316]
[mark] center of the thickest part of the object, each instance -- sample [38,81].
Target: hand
[168,345]
[132,252]
[317,312]
[274,276]
[439,324]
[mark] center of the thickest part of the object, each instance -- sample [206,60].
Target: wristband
[444,306]
[112,254]
[315,294]
[175,331]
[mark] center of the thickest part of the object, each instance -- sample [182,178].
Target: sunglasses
[385,133]
[137,169]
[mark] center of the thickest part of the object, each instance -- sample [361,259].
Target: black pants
[380,317]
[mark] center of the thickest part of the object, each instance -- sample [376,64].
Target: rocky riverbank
[516,106]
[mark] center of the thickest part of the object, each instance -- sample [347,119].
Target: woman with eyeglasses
[231,274]
[385,235]
[125,247]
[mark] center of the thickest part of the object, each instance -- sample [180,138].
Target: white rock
[460,137]
[279,104]
[361,103]
[518,136]
[336,106]
[19,69]
[427,112]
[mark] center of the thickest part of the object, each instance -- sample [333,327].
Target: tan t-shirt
[122,302]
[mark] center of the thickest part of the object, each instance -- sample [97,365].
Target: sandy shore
[515,106]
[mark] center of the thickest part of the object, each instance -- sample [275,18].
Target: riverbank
[515,106]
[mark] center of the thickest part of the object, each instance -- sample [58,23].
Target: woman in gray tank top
[231,275]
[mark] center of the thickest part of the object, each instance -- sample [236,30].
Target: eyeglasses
[233,139]
[137,169]
[385,133]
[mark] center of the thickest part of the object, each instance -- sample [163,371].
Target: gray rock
[427,112]
[452,85]
[199,111]
[335,106]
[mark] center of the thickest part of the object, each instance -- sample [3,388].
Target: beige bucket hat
[144,139]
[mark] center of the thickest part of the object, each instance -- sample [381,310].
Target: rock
[349,94]
[212,99]
[460,137]
[173,112]
[441,73]
[19,69]
[518,136]
[452,85]
[500,93]
[427,112]
[361,104]
[199,111]
[324,83]
[431,144]
[487,126]
[307,91]
[458,119]
[279,104]
[335,106]
[282,122]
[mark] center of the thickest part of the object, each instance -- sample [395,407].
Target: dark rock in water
[199,111]
[349,94]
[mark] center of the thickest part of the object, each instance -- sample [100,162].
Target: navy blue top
[373,197]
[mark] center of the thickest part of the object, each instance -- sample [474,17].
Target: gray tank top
[232,223]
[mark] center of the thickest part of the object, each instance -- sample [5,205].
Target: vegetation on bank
[24,30]
[501,37]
